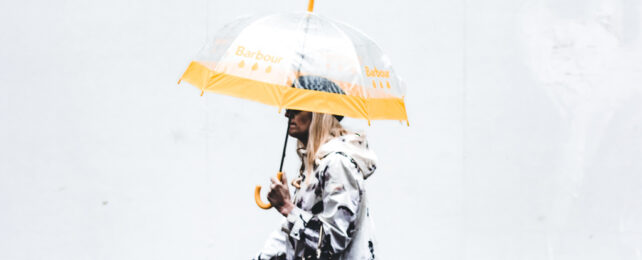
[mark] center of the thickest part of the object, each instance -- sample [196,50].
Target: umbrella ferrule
[310,6]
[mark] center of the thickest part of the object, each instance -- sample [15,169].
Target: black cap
[317,83]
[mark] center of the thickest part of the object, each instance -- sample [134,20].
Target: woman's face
[300,124]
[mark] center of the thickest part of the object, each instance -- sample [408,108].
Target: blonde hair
[323,127]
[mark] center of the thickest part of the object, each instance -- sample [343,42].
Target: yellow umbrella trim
[281,96]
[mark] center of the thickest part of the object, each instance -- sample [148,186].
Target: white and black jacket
[331,219]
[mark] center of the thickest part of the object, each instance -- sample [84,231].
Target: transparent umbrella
[267,58]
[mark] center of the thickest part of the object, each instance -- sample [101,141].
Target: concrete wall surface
[525,137]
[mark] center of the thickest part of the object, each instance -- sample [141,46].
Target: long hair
[323,127]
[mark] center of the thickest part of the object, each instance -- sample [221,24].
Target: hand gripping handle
[257,194]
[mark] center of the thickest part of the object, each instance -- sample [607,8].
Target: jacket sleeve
[274,247]
[334,217]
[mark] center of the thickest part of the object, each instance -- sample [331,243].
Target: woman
[328,217]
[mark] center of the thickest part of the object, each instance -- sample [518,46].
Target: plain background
[525,137]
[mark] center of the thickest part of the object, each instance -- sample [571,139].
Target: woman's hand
[279,195]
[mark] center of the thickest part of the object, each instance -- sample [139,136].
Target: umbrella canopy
[300,61]
[261,58]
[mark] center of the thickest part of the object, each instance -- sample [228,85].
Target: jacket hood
[356,147]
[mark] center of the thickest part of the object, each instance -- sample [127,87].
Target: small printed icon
[268,69]
[255,66]
[241,64]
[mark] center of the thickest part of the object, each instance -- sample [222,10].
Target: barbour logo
[377,73]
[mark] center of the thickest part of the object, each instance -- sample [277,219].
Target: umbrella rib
[305,36]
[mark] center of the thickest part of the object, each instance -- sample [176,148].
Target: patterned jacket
[331,219]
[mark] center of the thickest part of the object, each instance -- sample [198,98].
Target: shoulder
[339,158]
[350,150]
[338,167]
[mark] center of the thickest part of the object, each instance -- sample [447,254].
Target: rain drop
[268,69]
[255,66]
[241,64]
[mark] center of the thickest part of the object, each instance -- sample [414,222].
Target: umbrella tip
[310,6]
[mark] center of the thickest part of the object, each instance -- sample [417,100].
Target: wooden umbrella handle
[257,194]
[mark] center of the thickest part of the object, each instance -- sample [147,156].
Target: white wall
[525,139]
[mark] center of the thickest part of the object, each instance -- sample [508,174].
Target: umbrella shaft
[285,144]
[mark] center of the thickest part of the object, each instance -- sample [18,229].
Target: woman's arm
[274,247]
[333,218]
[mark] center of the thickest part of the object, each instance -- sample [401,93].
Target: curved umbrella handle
[257,194]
